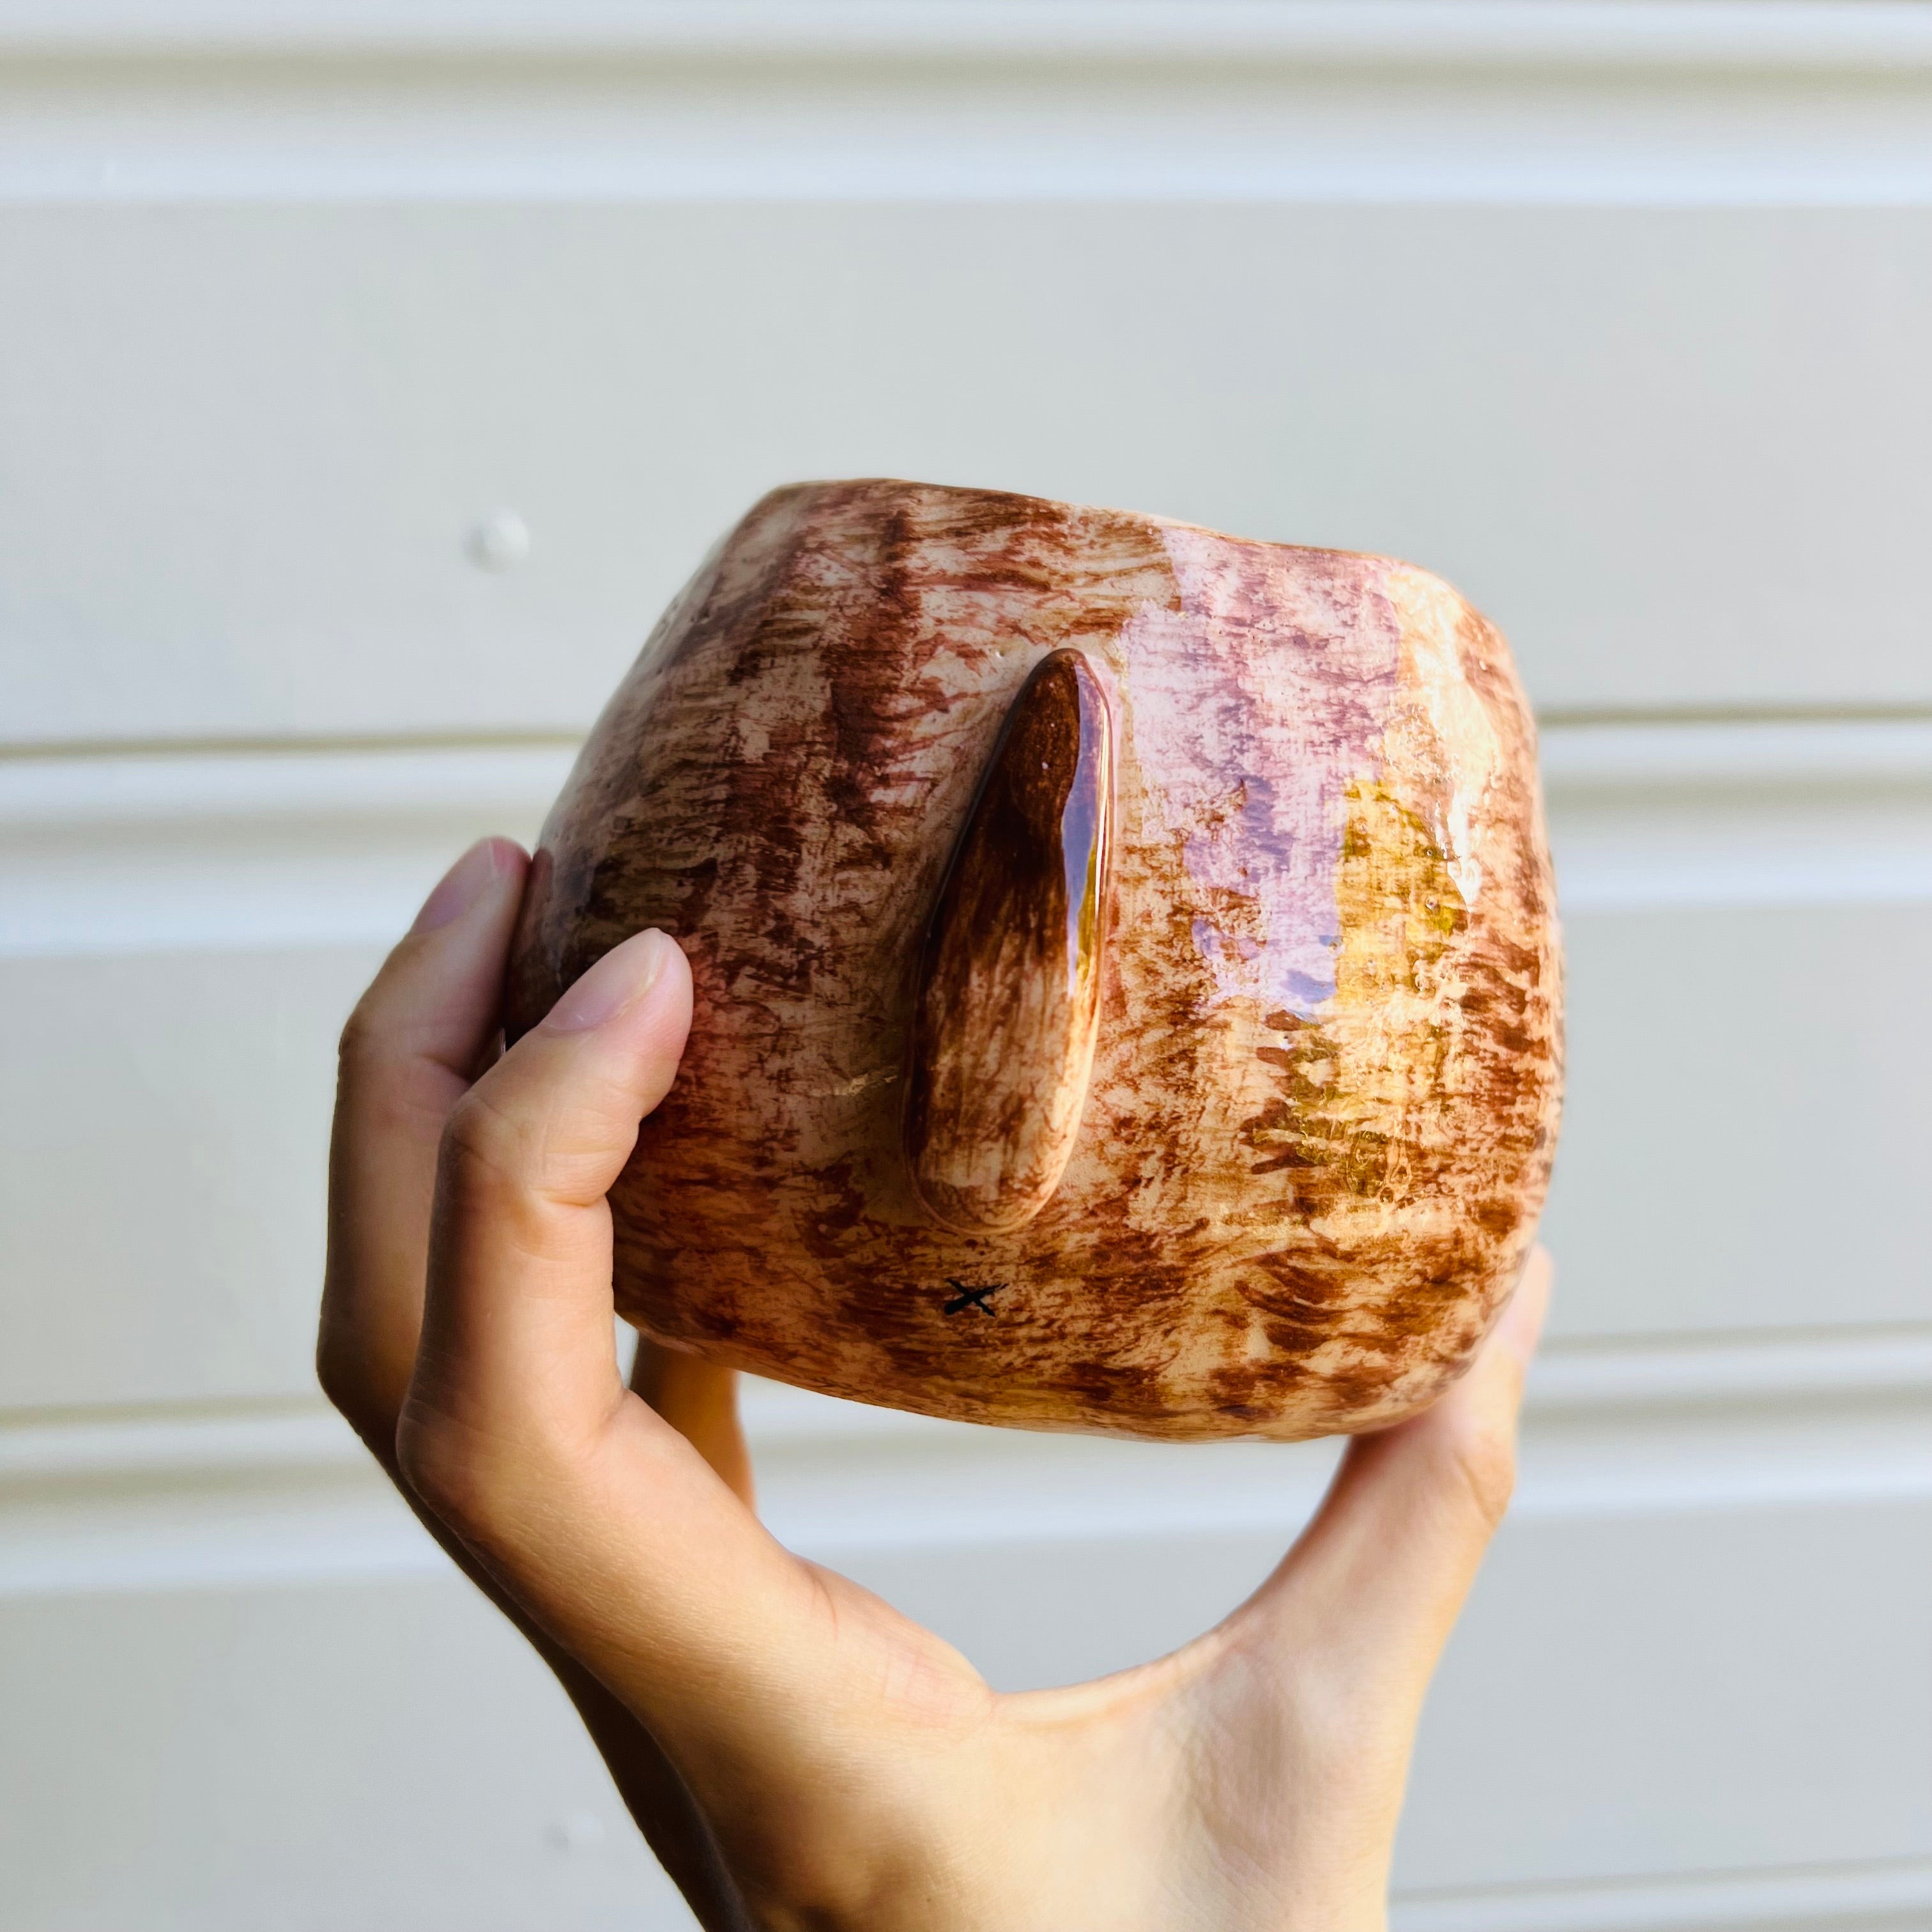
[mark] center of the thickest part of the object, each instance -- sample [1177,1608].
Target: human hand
[799,1753]
[419,1035]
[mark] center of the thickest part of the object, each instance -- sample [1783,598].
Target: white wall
[1617,314]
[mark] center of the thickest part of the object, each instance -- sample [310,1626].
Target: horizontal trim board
[276,1534]
[1750,814]
[81,794]
[1636,103]
[277,1494]
[1854,36]
[1638,756]
[1570,1380]
[1859,746]
[1888,1894]
[1372,161]
[221,851]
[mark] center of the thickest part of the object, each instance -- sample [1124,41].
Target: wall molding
[1849,36]
[98,787]
[1573,1381]
[1886,1895]
[224,851]
[1758,813]
[165,850]
[1522,102]
[1778,754]
[100,790]
[268,1494]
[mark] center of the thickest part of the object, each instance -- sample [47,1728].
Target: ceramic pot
[1128,989]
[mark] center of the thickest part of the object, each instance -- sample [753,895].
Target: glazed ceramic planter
[1128,990]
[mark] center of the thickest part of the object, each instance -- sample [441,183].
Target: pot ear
[1009,996]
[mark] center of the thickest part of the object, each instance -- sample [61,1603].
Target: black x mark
[971,1297]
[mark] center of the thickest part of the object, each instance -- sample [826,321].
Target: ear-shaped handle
[1009,996]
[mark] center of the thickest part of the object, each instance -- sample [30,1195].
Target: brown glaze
[1327,1064]
[1004,1022]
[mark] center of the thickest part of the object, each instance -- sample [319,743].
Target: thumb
[605,1523]
[517,1329]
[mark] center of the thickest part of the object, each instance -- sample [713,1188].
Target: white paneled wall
[1616,313]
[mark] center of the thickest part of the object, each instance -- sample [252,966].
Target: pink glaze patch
[1249,768]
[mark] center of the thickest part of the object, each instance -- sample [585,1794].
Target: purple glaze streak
[1313,654]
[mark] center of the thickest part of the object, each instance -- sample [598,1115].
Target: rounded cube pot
[1128,988]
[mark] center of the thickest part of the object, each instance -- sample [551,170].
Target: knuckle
[533,1157]
[485,1150]
[339,1375]
[350,1400]
[491,1478]
[354,1388]
[362,1040]
[431,1453]
[378,1058]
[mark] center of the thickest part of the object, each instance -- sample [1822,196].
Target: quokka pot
[1128,987]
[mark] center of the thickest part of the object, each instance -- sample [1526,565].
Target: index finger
[407,1055]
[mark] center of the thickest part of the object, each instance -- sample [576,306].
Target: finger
[1375,1584]
[519,1325]
[516,1391]
[699,1401]
[599,1518]
[407,1056]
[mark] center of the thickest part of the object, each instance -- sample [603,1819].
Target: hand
[799,1753]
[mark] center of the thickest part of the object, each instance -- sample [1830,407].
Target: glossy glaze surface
[1326,1048]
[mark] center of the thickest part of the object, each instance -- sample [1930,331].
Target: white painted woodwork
[1676,452]
[370,372]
